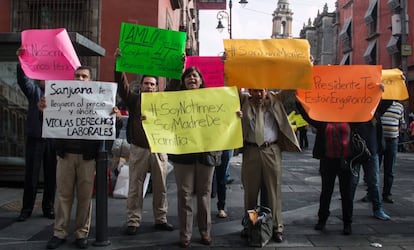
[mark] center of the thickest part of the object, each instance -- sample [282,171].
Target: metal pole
[404,38]
[230,7]
[101,238]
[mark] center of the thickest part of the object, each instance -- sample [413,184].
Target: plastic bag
[122,183]
[120,148]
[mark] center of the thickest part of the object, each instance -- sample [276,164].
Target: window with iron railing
[371,19]
[346,36]
[74,15]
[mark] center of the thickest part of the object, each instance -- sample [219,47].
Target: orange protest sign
[346,93]
[271,63]
[394,85]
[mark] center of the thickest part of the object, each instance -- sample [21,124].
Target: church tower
[282,20]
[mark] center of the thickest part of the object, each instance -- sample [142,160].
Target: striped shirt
[392,119]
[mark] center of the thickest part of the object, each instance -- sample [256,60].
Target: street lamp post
[224,15]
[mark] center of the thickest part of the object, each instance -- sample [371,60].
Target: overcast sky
[254,21]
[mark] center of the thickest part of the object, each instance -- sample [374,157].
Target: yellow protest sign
[299,121]
[270,63]
[345,93]
[394,85]
[291,117]
[192,121]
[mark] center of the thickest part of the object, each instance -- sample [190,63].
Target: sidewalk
[301,187]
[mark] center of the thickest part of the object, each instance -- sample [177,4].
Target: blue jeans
[220,178]
[228,154]
[371,172]
[388,158]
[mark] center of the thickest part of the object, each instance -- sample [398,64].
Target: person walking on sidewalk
[266,133]
[39,152]
[141,159]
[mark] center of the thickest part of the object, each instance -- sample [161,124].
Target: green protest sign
[151,51]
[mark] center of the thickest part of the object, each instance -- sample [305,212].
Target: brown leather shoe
[278,237]
[185,243]
[206,241]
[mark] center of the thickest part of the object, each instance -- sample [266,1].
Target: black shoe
[366,199]
[243,233]
[49,215]
[347,229]
[278,237]
[55,242]
[23,217]
[164,227]
[230,181]
[320,226]
[131,230]
[81,243]
[387,199]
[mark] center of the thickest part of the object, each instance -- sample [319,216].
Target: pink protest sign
[211,67]
[48,54]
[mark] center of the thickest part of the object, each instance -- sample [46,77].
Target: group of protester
[266,134]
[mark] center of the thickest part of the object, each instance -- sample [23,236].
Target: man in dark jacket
[142,160]
[39,152]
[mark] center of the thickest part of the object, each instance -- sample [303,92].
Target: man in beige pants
[266,132]
[141,160]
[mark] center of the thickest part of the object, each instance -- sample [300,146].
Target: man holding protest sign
[141,160]
[266,132]
[75,170]
[39,152]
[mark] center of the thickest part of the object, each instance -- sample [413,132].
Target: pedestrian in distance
[221,182]
[392,122]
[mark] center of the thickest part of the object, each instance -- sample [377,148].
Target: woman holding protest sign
[194,173]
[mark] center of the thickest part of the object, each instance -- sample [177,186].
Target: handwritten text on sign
[193,120]
[151,51]
[394,85]
[343,93]
[212,68]
[79,110]
[48,54]
[269,63]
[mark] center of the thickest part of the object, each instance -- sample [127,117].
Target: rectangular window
[74,15]
[346,36]
[371,18]
[370,54]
